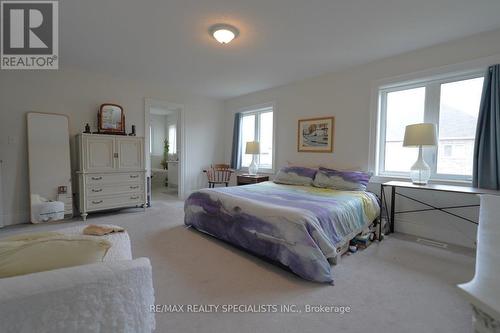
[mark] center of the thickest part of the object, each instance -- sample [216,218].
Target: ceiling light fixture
[224,33]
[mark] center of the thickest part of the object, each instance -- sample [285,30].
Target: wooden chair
[218,174]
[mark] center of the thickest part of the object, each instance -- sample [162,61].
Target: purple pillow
[295,175]
[342,180]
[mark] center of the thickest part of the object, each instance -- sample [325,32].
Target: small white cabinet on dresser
[110,172]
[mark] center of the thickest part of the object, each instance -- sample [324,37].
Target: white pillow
[295,176]
[326,165]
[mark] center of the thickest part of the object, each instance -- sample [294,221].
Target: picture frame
[315,135]
[111,119]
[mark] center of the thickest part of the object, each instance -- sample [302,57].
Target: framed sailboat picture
[316,135]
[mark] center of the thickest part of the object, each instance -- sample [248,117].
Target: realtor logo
[29,35]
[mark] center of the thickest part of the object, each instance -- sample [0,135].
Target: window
[452,104]
[172,139]
[258,125]
[403,108]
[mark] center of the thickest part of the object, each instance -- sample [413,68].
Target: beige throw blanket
[101,230]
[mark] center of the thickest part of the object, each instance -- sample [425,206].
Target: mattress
[301,227]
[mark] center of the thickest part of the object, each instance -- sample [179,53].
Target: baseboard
[16,218]
[436,233]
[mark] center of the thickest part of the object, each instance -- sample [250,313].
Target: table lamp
[420,135]
[253,147]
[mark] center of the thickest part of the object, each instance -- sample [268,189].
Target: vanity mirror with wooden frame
[111,119]
[49,167]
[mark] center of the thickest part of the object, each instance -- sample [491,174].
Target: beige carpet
[396,286]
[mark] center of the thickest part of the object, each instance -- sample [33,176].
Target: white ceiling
[280,40]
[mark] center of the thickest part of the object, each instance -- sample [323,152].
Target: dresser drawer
[115,201]
[102,189]
[114,178]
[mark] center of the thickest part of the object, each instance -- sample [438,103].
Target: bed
[300,227]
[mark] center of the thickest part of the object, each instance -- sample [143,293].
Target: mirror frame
[100,127]
[30,166]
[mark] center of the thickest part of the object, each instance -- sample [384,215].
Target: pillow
[342,180]
[295,176]
[325,165]
[19,257]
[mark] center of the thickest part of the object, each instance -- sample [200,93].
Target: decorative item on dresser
[111,172]
[133,131]
[246,179]
[111,119]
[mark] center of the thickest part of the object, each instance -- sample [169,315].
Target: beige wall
[347,96]
[78,94]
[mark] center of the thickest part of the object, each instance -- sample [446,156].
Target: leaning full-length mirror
[49,167]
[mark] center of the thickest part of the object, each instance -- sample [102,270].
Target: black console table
[429,187]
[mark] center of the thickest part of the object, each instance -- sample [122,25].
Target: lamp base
[417,181]
[253,168]
[420,172]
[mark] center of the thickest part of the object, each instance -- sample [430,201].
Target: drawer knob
[97,202]
[97,190]
[134,176]
[134,187]
[97,178]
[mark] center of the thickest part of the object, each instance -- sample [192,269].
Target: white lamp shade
[420,135]
[253,147]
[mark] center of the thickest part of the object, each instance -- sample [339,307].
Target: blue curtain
[236,152]
[486,170]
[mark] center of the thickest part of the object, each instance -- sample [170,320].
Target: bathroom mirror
[49,167]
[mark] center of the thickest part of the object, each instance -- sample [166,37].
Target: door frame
[154,102]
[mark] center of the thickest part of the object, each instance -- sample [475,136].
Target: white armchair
[110,296]
[104,297]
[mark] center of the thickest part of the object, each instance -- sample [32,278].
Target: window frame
[257,110]
[431,114]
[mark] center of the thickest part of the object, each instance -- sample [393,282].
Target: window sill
[385,178]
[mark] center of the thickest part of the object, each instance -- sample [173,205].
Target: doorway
[164,148]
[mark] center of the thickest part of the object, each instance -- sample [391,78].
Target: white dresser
[111,172]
